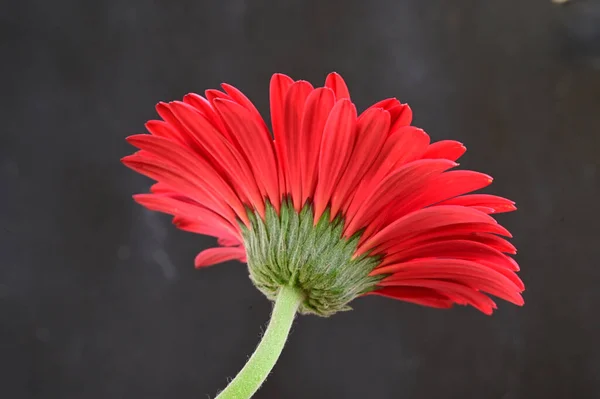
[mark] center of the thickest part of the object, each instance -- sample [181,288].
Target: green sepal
[288,249]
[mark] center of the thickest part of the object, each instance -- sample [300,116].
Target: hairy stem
[260,364]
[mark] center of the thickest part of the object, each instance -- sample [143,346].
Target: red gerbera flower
[329,207]
[335,204]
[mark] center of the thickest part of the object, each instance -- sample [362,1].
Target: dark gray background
[99,298]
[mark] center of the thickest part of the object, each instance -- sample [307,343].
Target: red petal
[161,188]
[316,111]
[387,104]
[401,116]
[466,250]
[336,147]
[402,146]
[244,101]
[335,82]
[294,108]
[481,232]
[205,108]
[256,146]
[212,256]
[398,184]
[466,272]
[279,87]
[188,166]
[229,242]
[423,219]
[498,204]
[459,249]
[184,137]
[439,188]
[172,176]
[212,95]
[457,292]
[372,127]
[205,229]
[189,211]
[163,129]
[233,163]
[490,240]
[418,295]
[455,183]
[446,149]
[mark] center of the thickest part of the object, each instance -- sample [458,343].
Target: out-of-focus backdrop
[99,298]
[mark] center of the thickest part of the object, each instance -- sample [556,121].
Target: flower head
[335,204]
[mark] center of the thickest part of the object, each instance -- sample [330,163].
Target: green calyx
[289,250]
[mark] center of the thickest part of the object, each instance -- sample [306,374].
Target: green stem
[256,370]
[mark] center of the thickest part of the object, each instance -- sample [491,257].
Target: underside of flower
[333,203]
[290,250]
[325,206]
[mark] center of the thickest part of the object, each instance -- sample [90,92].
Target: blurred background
[99,298]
